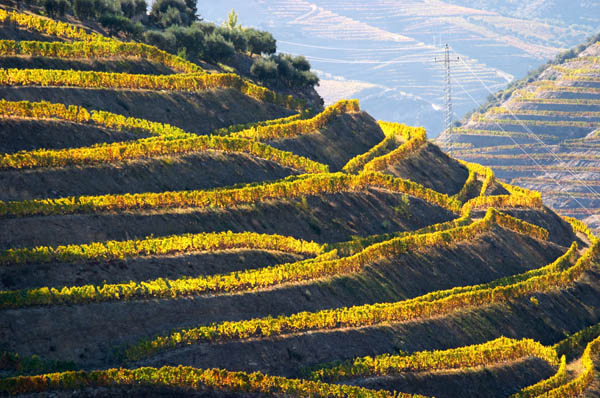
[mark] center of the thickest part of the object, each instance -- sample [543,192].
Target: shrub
[260,42]
[216,48]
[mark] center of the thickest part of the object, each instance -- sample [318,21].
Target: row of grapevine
[577,386]
[111,250]
[179,82]
[286,189]
[543,386]
[290,129]
[96,50]
[49,26]
[562,181]
[475,170]
[561,123]
[264,277]
[496,351]
[537,156]
[504,201]
[559,101]
[576,71]
[188,378]
[361,243]
[284,120]
[391,141]
[560,264]
[501,110]
[156,147]
[415,136]
[548,167]
[580,195]
[549,85]
[582,78]
[499,133]
[365,315]
[79,114]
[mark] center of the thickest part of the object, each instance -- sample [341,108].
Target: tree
[56,8]
[232,21]
[264,69]
[84,9]
[167,13]
[235,36]
[260,42]
[217,48]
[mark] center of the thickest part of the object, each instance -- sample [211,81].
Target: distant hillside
[382,52]
[168,230]
[544,137]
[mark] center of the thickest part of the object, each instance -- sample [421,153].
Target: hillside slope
[310,254]
[544,137]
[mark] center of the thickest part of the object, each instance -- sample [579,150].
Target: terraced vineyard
[544,137]
[162,236]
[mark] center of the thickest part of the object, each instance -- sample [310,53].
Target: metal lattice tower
[447,89]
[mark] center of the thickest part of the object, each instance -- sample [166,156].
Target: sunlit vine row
[316,184]
[264,277]
[365,315]
[111,250]
[294,128]
[188,378]
[178,82]
[49,26]
[96,50]
[496,351]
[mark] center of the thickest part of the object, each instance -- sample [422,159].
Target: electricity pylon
[448,89]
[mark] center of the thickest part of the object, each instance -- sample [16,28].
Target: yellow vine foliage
[294,128]
[393,138]
[415,136]
[315,184]
[533,199]
[577,386]
[176,140]
[111,250]
[496,351]
[189,378]
[255,278]
[178,82]
[476,170]
[543,386]
[97,50]
[370,314]
[49,26]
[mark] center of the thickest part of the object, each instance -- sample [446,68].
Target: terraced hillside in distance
[382,51]
[166,231]
[545,137]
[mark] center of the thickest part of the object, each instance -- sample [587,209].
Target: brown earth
[28,134]
[93,338]
[556,314]
[196,112]
[116,65]
[560,232]
[325,218]
[13,32]
[200,170]
[58,274]
[431,167]
[497,381]
[344,137]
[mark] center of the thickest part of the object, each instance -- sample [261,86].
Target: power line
[544,145]
[556,181]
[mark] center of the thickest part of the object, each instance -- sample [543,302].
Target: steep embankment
[128,240]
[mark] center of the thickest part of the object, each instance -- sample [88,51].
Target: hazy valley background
[382,51]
